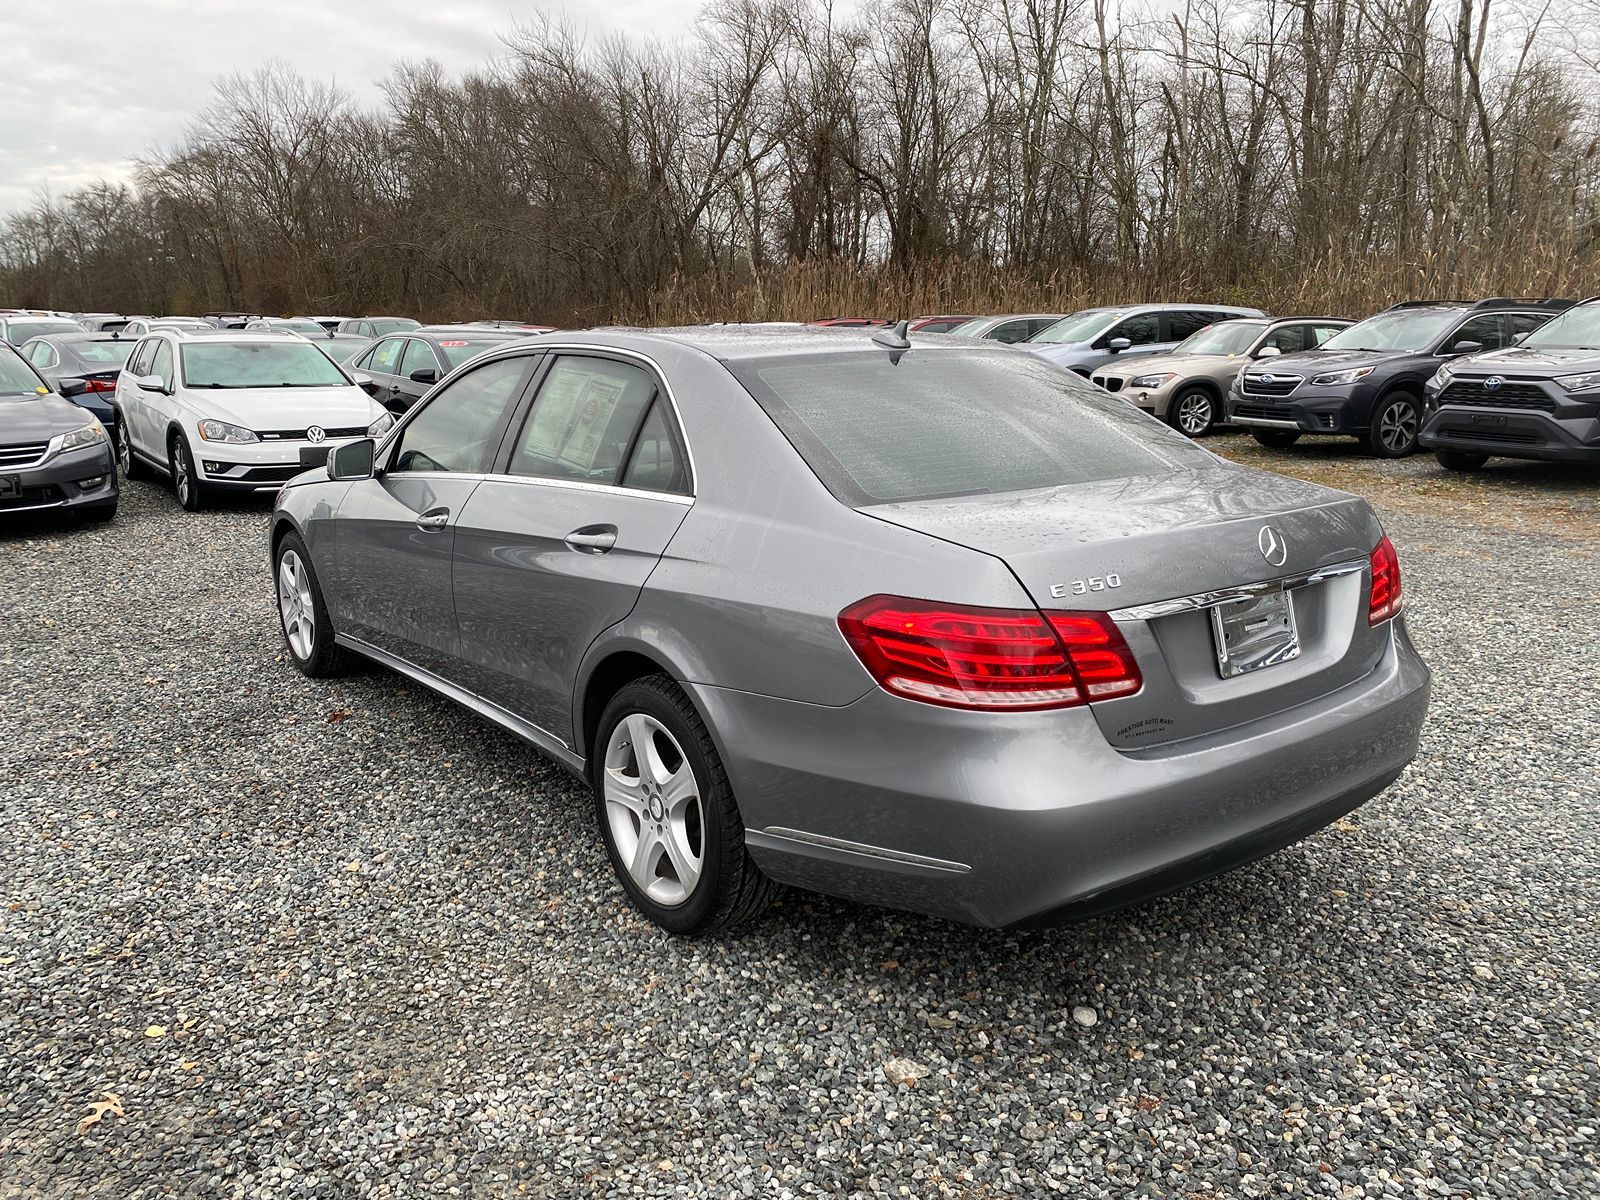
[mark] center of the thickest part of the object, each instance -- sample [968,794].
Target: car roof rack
[1426,304]
[1556,302]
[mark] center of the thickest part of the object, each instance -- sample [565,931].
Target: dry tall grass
[1333,285]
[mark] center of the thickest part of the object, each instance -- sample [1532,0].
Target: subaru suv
[1539,399]
[1096,336]
[1367,381]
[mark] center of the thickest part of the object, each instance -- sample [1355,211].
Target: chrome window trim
[582,485]
[531,346]
[1247,591]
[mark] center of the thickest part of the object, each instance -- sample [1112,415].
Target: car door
[130,400]
[395,532]
[1143,331]
[556,545]
[417,357]
[154,405]
[383,364]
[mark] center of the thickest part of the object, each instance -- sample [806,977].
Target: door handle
[433,520]
[592,539]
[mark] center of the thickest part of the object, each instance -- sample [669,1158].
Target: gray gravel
[346,940]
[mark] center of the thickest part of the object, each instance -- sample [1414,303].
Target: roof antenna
[893,339]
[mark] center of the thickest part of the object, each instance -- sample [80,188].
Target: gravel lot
[346,940]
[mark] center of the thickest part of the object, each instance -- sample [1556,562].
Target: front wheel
[667,813]
[185,479]
[1193,412]
[1460,460]
[1275,439]
[303,613]
[1395,422]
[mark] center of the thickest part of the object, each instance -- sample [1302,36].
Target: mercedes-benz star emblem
[316,433]
[1273,548]
[1492,384]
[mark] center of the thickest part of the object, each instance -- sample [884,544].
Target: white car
[234,410]
[139,326]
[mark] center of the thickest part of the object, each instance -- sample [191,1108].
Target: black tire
[1396,421]
[323,657]
[1193,412]
[730,890]
[129,464]
[1275,439]
[185,479]
[1460,460]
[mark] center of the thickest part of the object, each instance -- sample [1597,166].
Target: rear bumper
[1510,433]
[1032,818]
[59,483]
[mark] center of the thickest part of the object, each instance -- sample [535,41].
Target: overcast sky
[88,85]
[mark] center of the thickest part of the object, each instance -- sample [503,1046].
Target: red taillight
[1385,598]
[100,385]
[989,658]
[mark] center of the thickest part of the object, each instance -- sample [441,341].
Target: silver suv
[1095,336]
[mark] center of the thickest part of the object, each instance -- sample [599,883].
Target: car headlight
[1152,381]
[86,435]
[381,426]
[1580,383]
[221,431]
[1339,377]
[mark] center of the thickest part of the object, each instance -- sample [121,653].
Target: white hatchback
[230,410]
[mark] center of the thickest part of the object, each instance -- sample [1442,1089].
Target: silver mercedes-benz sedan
[933,625]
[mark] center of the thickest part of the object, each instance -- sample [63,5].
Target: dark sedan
[53,454]
[404,366]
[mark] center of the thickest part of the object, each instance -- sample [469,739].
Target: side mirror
[152,383]
[72,387]
[1268,352]
[353,460]
[1467,348]
[1517,338]
[361,379]
[425,375]
[1118,345]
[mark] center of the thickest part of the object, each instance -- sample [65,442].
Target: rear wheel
[185,479]
[128,464]
[1460,460]
[1395,422]
[1193,412]
[667,813]
[1275,439]
[303,614]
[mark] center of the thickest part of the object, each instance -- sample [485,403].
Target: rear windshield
[104,352]
[259,365]
[937,424]
[457,351]
[383,325]
[20,331]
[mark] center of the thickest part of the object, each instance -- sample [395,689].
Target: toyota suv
[230,410]
[1367,381]
[1539,399]
[1096,336]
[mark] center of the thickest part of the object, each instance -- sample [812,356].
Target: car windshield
[108,351]
[1079,327]
[18,332]
[457,352]
[261,364]
[971,328]
[383,325]
[1400,329]
[298,325]
[16,377]
[1576,329]
[921,425]
[1226,337]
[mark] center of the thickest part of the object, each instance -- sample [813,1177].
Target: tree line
[783,159]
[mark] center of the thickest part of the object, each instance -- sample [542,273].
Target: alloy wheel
[1194,413]
[124,451]
[295,605]
[180,470]
[1397,427]
[653,808]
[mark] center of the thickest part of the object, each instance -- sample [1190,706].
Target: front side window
[1489,331]
[16,377]
[418,356]
[459,428]
[583,420]
[1011,332]
[285,364]
[1141,330]
[1525,323]
[1288,339]
[140,363]
[1182,324]
[162,363]
[945,423]
[41,355]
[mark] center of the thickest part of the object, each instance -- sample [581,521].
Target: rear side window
[1012,331]
[954,424]
[418,357]
[459,428]
[656,462]
[1181,324]
[583,421]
